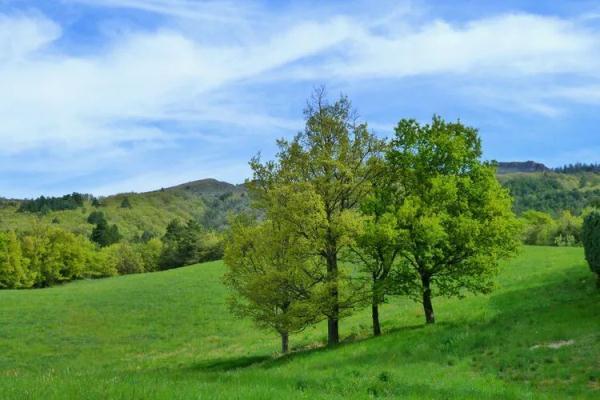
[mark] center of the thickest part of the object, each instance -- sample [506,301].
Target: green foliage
[169,335]
[591,241]
[454,219]
[185,244]
[13,271]
[553,192]
[124,258]
[105,234]
[126,203]
[272,271]
[330,158]
[541,229]
[150,252]
[46,204]
[378,242]
[96,217]
[55,255]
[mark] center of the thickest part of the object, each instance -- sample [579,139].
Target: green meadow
[169,335]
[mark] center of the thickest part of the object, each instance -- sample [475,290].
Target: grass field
[168,335]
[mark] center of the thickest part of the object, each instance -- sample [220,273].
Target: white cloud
[54,99]
[511,44]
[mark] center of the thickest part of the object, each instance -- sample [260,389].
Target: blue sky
[106,96]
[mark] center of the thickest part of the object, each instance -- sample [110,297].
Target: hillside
[552,192]
[168,335]
[207,201]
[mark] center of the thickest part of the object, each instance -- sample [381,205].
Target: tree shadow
[228,364]
[499,344]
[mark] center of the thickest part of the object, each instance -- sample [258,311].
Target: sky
[107,96]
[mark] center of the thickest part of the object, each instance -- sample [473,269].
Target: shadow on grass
[228,364]
[499,345]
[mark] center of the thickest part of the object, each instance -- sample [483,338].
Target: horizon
[110,97]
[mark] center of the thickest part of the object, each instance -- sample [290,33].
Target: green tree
[455,220]
[182,244]
[150,252]
[568,229]
[125,203]
[591,242]
[96,217]
[538,228]
[124,258]
[378,243]
[13,271]
[55,255]
[104,234]
[332,155]
[272,270]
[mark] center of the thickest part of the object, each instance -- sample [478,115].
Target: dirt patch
[553,345]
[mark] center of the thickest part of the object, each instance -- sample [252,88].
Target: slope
[168,335]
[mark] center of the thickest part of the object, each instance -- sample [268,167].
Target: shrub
[12,264]
[123,258]
[591,242]
[55,255]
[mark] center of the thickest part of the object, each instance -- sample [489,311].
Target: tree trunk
[333,330]
[427,306]
[375,315]
[376,299]
[284,342]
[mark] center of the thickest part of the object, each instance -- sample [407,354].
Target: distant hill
[521,166]
[207,201]
[207,187]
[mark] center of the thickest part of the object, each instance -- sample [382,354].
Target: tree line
[542,229]
[48,255]
[547,193]
[578,167]
[344,219]
[44,204]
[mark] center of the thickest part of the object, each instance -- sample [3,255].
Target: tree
[332,156]
[272,271]
[378,243]
[124,258]
[96,217]
[150,252]
[55,255]
[455,220]
[105,234]
[538,228]
[181,244]
[13,271]
[591,242]
[125,203]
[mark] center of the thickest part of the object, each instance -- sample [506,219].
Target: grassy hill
[168,335]
[206,200]
[552,192]
[209,201]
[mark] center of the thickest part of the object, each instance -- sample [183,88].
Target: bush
[55,255]
[124,259]
[541,229]
[13,273]
[591,242]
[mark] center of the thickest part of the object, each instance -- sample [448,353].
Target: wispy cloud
[162,86]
